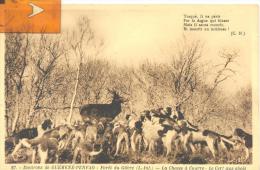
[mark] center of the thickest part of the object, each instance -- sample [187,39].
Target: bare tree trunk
[6,125]
[17,98]
[30,117]
[74,96]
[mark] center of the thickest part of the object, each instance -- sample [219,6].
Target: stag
[109,111]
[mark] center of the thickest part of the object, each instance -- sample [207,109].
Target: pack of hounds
[157,132]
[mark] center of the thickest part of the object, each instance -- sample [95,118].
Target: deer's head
[116,97]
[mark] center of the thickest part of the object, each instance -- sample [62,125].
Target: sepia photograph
[133,84]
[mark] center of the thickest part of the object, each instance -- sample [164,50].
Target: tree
[243,104]
[181,78]
[78,42]
[18,49]
[185,71]
[46,52]
[223,72]
[186,81]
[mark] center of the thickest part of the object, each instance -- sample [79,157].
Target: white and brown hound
[30,133]
[120,131]
[48,143]
[89,144]
[245,139]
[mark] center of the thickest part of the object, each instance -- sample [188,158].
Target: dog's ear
[46,124]
[206,132]
[161,120]
[127,117]
[169,109]
[138,125]
[109,125]
[174,117]
[101,128]
[142,118]
[148,115]
[166,128]
[161,133]
[237,132]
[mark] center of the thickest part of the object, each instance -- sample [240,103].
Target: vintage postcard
[131,87]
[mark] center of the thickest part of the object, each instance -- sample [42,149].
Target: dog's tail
[227,137]
[227,140]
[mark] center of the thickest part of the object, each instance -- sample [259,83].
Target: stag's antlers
[112,91]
